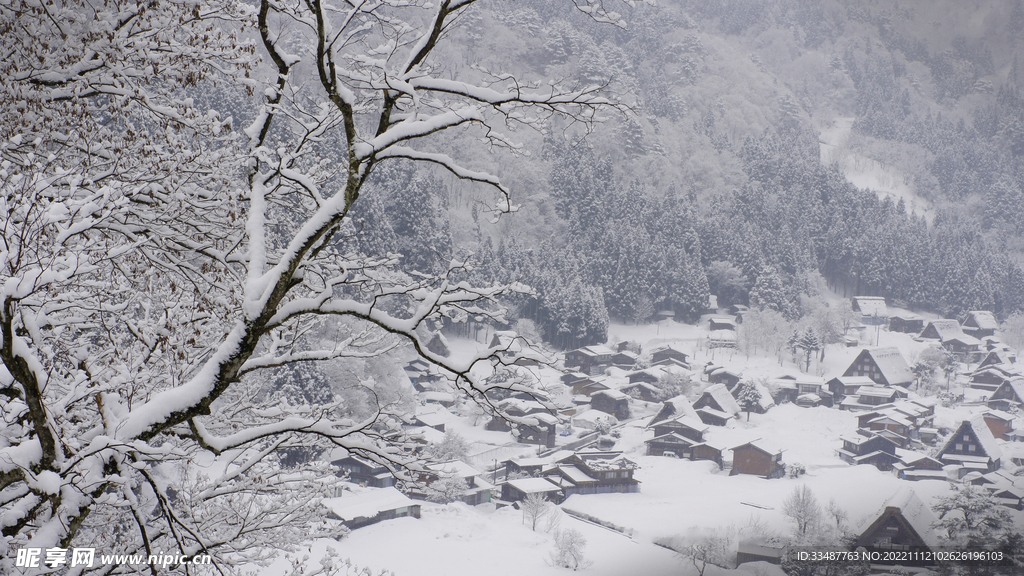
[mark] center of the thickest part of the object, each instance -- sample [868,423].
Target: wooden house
[364,471]
[721,323]
[941,330]
[670,444]
[670,354]
[1009,395]
[611,401]
[997,357]
[904,522]
[478,490]
[625,359]
[517,490]
[723,376]
[542,433]
[999,423]
[758,459]
[906,323]
[371,507]
[967,348]
[891,425]
[648,375]
[843,386]
[972,447]
[991,377]
[716,405]
[595,472]
[642,391]
[673,408]
[885,366]
[686,426]
[870,398]
[914,466]
[980,323]
[590,360]
[872,309]
[873,449]
[422,375]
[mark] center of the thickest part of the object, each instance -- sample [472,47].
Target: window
[970,447]
[959,446]
[966,437]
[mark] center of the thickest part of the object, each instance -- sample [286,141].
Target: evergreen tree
[809,343]
[749,397]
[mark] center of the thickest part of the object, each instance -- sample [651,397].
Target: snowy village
[671,452]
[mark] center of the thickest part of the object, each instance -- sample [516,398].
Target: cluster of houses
[609,385]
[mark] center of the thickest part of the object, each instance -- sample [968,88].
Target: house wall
[751,461]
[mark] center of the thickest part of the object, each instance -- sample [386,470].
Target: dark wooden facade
[752,459]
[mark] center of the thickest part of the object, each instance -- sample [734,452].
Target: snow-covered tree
[802,508]
[160,253]
[446,489]
[971,517]
[809,343]
[749,397]
[452,447]
[535,506]
[569,545]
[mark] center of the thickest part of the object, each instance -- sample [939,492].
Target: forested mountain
[721,179]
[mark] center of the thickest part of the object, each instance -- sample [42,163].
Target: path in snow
[864,172]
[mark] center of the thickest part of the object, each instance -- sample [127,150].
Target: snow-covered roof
[613,394]
[945,328]
[678,438]
[913,510]
[848,381]
[598,350]
[533,485]
[723,398]
[432,418]
[593,416]
[999,415]
[890,418]
[762,445]
[982,433]
[870,306]
[876,391]
[367,504]
[964,339]
[456,468]
[674,408]
[982,319]
[891,364]
[575,474]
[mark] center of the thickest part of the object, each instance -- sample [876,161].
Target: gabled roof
[761,445]
[674,408]
[917,515]
[945,328]
[891,364]
[982,319]
[723,398]
[672,437]
[670,347]
[981,432]
[613,394]
[870,306]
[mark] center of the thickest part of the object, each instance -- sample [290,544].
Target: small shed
[759,459]
[370,507]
